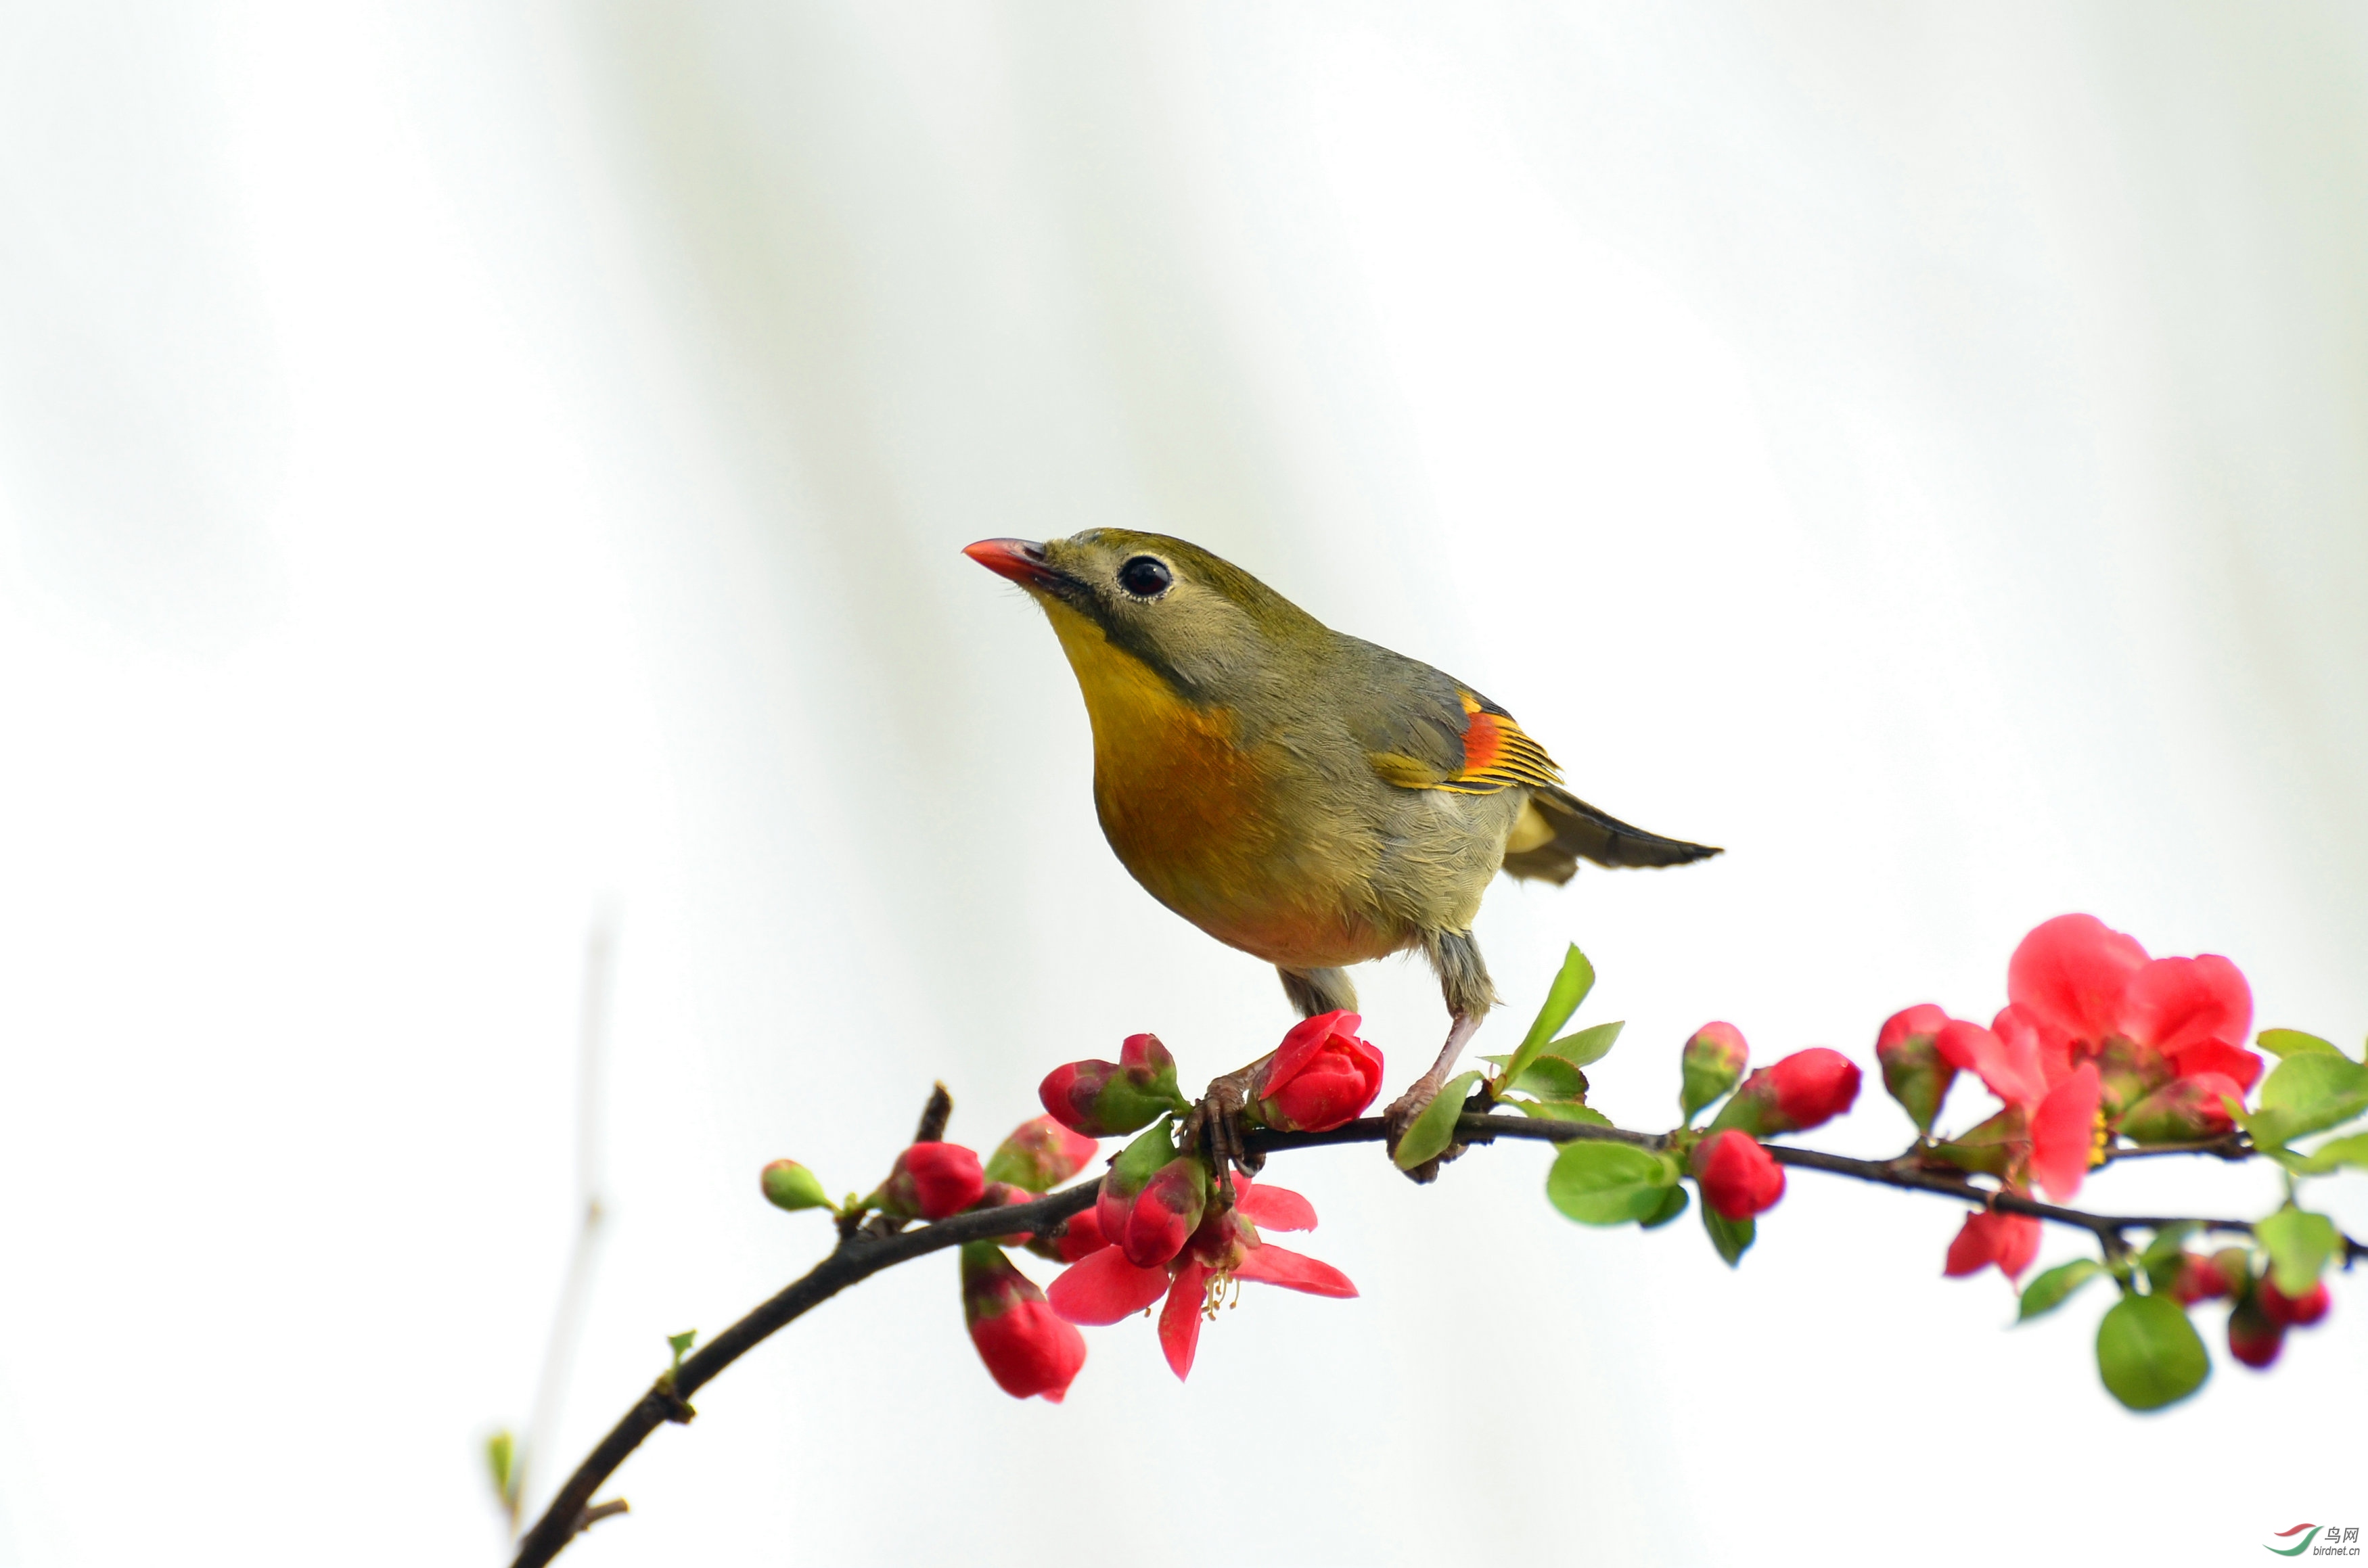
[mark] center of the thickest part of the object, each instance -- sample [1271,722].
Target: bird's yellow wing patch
[1497,754]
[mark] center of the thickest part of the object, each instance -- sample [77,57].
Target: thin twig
[861,1256]
[576,1291]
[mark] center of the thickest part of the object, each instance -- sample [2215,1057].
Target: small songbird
[1308,798]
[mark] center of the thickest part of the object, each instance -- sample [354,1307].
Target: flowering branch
[2103,1055]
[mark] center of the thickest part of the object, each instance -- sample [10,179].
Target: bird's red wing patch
[1497,754]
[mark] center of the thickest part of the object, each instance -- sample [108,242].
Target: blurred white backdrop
[463,469]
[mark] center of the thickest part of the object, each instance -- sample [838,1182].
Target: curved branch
[866,1253]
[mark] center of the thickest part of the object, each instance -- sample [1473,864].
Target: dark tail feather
[1582,832]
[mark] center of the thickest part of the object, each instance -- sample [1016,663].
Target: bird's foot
[1422,1091]
[1217,1130]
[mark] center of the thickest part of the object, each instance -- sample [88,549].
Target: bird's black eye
[1144,576]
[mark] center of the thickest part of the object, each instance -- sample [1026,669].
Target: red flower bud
[1805,1089]
[1028,1348]
[2010,1241]
[1914,1071]
[1164,1215]
[2198,1279]
[2300,1311]
[1039,1155]
[1737,1177]
[2254,1338]
[1082,1235]
[1709,1065]
[1320,1076]
[1109,1099]
[930,1181]
[2185,1111]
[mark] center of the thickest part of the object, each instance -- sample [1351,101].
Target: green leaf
[501,1456]
[2148,1354]
[1553,1077]
[1732,1238]
[2306,1093]
[1590,1045]
[2053,1288]
[1673,1203]
[1434,1130]
[1569,989]
[681,1343]
[2299,1243]
[2293,1042]
[1561,1111]
[2351,1151]
[1609,1184]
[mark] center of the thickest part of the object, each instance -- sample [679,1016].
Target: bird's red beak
[1021,559]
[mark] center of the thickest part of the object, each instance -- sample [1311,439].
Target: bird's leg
[1215,1129]
[1425,1089]
[1463,981]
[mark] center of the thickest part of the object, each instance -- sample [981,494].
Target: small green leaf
[1673,1203]
[2351,1151]
[2309,1092]
[1570,987]
[501,1456]
[2293,1042]
[1561,1111]
[1553,1077]
[1732,1238]
[2148,1354]
[1590,1045]
[680,1344]
[1601,1183]
[2299,1243]
[2053,1288]
[1434,1130]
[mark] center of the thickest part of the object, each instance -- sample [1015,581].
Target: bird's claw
[1217,1130]
[1401,1115]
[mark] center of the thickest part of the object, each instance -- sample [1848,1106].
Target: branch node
[598,1511]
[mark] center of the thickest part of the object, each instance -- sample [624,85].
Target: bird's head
[1203,625]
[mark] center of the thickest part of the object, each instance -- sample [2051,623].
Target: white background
[471,472]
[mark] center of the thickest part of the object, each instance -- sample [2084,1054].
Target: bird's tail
[1558,829]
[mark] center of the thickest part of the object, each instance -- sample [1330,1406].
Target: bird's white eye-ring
[1145,576]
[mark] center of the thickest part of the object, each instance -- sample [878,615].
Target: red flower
[2058,1101]
[930,1181]
[1039,1155]
[1320,1076]
[2010,1241]
[2094,995]
[1804,1090]
[1030,1348]
[1737,1177]
[1914,1071]
[1105,1286]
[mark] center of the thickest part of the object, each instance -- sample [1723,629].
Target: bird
[1309,798]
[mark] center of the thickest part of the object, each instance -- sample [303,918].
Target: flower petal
[2174,1004]
[2069,973]
[2063,1134]
[1104,1287]
[2012,1075]
[1179,1320]
[1294,1271]
[1274,1208]
[2219,1056]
